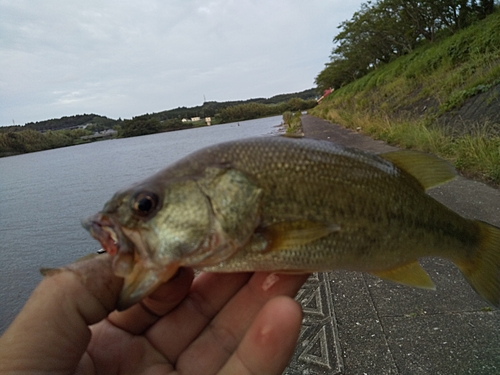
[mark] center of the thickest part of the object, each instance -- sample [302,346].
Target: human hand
[218,323]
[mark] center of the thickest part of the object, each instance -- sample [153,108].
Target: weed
[475,154]
[293,122]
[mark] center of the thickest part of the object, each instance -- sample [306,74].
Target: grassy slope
[404,102]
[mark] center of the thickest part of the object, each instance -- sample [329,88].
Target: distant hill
[210,109]
[66,122]
[98,122]
[77,129]
[219,112]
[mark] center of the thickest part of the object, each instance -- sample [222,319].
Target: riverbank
[443,97]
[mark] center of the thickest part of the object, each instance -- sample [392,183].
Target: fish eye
[144,202]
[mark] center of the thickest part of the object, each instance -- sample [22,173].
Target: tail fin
[483,270]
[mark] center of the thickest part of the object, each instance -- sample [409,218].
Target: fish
[292,205]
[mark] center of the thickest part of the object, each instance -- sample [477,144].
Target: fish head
[154,227]
[150,230]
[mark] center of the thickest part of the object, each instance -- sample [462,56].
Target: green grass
[462,62]
[388,103]
[292,122]
[476,155]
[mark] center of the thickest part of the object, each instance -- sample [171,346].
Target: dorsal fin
[428,169]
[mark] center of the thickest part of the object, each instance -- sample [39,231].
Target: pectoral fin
[411,274]
[290,234]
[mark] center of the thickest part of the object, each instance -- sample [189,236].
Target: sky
[126,58]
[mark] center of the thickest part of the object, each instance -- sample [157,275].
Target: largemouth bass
[292,205]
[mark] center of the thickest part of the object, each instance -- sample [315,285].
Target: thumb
[51,332]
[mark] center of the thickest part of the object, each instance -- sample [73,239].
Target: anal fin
[411,274]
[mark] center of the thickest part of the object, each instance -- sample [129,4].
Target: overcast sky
[126,58]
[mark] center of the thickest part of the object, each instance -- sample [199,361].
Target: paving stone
[318,351]
[444,344]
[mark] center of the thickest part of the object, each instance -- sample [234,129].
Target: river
[44,196]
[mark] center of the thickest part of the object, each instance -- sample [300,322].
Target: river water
[44,196]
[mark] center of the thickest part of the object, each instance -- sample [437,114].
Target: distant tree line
[149,124]
[66,122]
[211,108]
[222,112]
[255,110]
[67,131]
[386,29]
[20,142]
[155,123]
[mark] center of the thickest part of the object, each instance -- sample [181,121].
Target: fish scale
[294,205]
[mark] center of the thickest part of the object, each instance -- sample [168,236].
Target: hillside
[444,97]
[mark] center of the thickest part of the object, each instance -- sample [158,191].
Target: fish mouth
[105,231]
[130,261]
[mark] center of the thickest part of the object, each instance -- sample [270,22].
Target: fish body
[293,205]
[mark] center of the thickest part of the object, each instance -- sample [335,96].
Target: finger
[51,332]
[141,316]
[270,341]
[208,294]
[221,337]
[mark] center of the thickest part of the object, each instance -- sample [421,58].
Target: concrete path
[355,323]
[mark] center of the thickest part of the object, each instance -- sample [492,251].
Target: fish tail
[482,270]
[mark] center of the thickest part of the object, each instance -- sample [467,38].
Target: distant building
[208,121]
[109,133]
[327,92]
[195,118]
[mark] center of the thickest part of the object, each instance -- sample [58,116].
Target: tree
[139,126]
[385,29]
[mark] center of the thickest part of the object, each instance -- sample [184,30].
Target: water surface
[44,196]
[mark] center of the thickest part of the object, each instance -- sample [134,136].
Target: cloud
[122,59]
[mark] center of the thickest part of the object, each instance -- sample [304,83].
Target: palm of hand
[222,323]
